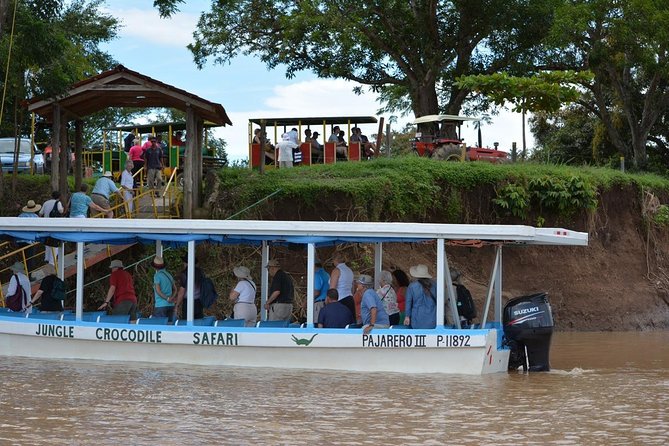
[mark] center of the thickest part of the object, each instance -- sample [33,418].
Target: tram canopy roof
[119,231]
[440,118]
[160,127]
[122,87]
[315,120]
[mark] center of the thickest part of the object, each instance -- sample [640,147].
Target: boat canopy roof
[315,121]
[115,231]
[159,127]
[440,118]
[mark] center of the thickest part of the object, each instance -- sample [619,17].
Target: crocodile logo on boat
[303,341]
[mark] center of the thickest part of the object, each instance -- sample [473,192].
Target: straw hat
[32,206]
[18,267]
[420,271]
[241,272]
[158,262]
[116,264]
[107,174]
[365,279]
[273,263]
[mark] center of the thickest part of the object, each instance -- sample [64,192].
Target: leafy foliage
[661,217]
[514,199]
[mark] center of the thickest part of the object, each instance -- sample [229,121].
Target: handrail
[169,182]
[138,172]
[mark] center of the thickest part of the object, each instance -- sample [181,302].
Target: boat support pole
[442,268]
[159,248]
[498,287]
[450,291]
[311,259]
[190,288]
[61,261]
[264,280]
[378,263]
[79,306]
[491,286]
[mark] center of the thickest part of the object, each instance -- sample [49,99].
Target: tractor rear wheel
[448,152]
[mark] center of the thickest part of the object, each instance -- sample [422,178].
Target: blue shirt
[322,284]
[33,215]
[421,306]
[105,187]
[335,315]
[79,204]
[372,300]
[165,280]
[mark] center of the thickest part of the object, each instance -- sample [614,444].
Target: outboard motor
[528,327]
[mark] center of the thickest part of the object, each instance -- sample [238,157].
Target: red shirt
[401,298]
[135,153]
[122,280]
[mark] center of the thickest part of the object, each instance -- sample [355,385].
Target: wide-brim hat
[365,279]
[18,267]
[107,174]
[420,272]
[158,262]
[116,264]
[273,263]
[32,206]
[241,272]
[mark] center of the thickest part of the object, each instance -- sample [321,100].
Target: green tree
[408,51]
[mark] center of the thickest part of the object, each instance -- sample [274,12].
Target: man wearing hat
[153,156]
[122,290]
[164,290]
[371,308]
[80,203]
[421,299]
[244,297]
[19,283]
[103,189]
[30,211]
[280,300]
[286,146]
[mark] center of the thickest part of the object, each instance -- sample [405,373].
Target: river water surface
[605,389]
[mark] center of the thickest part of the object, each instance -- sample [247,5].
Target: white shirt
[286,150]
[126,180]
[25,284]
[47,207]
[345,282]
[247,291]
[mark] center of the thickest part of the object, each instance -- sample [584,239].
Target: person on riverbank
[400,283]
[102,191]
[18,283]
[51,253]
[280,300]
[136,155]
[49,294]
[341,278]
[181,308]
[372,310]
[334,314]
[153,156]
[421,300]
[80,203]
[321,286]
[164,290]
[244,297]
[128,184]
[389,297]
[30,210]
[122,290]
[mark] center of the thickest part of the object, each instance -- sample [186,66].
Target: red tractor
[438,137]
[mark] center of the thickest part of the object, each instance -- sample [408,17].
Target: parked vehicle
[442,141]
[30,158]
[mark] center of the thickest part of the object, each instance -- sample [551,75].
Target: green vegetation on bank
[413,188]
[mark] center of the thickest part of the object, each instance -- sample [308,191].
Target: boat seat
[400,327]
[15,314]
[152,320]
[207,321]
[297,325]
[46,316]
[4,310]
[115,318]
[273,324]
[86,317]
[354,326]
[230,323]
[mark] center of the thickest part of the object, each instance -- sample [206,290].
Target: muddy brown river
[605,389]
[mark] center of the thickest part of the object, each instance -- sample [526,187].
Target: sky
[246,88]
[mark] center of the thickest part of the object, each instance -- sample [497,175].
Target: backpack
[58,289]
[55,213]
[466,307]
[208,294]
[15,301]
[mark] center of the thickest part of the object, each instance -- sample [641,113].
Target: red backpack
[15,301]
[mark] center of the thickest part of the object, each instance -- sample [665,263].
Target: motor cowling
[528,327]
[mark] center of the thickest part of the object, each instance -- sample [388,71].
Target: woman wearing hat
[421,299]
[164,290]
[244,297]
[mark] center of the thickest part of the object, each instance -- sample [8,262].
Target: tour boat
[478,349]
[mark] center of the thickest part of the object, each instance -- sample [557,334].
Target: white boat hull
[471,352]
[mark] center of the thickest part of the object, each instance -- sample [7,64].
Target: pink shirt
[135,153]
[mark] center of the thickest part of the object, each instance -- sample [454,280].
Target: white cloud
[146,27]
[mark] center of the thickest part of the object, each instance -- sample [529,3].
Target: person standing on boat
[321,286]
[244,297]
[389,297]
[400,283]
[334,314]
[372,310]
[46,291]
[280,300]
[421,299]
[80,203]
[164,290]
[18,280]
[181,301]
[102,191]
[122,290]
[341,278]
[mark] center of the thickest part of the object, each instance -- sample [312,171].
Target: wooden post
[63,187]
[191,147]
[263,144]
[197,184]
[55,148]
[78,153]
